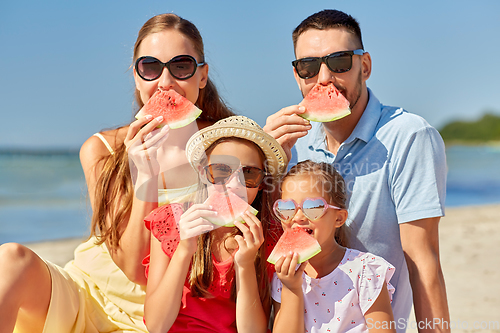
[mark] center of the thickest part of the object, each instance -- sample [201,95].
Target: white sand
[470,257]
[58,252]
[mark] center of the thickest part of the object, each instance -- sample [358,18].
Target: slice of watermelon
[325,103]
[229,207]
[295,240]
[177,111]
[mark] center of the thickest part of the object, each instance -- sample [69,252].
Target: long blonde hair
[114,189]
[202,270]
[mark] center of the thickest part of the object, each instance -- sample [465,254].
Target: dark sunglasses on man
[338,62]
[220,173]
[181,67]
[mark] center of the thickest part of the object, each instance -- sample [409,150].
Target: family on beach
[372,192]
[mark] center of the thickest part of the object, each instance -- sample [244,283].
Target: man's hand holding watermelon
[286,126]
[323,103]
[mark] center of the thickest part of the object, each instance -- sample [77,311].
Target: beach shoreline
[470,258]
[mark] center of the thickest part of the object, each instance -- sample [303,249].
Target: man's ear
[366,66]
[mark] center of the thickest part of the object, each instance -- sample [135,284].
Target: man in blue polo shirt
[393,163]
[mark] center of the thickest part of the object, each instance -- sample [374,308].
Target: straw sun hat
[240,127]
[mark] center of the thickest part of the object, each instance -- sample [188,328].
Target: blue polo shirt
[394,166]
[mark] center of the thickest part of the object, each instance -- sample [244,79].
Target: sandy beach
[470,257]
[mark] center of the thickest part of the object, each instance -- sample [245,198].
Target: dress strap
[100,136]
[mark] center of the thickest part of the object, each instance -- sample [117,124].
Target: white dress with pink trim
[338,301]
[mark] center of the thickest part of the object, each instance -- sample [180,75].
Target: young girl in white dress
[340,289]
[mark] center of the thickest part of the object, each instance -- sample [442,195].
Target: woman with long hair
[103,288]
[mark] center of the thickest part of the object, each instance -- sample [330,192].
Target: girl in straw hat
[207,279]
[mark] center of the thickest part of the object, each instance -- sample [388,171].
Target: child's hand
[192,224]
[250,242]
[285,270]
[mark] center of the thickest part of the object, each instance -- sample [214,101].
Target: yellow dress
[92,295]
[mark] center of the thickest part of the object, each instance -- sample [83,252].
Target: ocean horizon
[43,195]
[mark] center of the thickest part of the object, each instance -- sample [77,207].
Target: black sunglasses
[338,62]
[181,67]
[220,173]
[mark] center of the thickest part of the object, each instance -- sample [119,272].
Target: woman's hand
[192,224]
[285,270]
[250,242]
[142,141]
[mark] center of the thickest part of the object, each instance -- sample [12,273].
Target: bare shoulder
[115,137]
[93,149]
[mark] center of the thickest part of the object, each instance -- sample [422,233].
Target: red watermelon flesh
[325,103]
[177,111]
[229,207]
[295,240]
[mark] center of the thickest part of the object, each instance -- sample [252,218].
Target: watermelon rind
[326,118]
[186,121]
[282,249]
[228,221]
[325,103]
[176,124]
[183,106]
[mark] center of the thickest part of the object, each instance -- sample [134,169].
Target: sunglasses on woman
[219,173]
[181,67]
[312,208]
[338,62]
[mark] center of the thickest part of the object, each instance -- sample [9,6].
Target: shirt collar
[317,137]
[365,128]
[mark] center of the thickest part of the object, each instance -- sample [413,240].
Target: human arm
[167,275]
[289,315]
[250,314]
[135,239]
[420,241]
[286,127]
[418,189]
[379,317]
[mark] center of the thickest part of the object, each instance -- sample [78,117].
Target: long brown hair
[214,108]
[332,184]
[114,189]
[201,275]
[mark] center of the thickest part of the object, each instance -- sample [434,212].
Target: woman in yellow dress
[103,288]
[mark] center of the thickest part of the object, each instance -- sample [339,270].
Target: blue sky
[65,64]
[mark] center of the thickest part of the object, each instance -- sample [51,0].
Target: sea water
[43,195]
[473,175]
